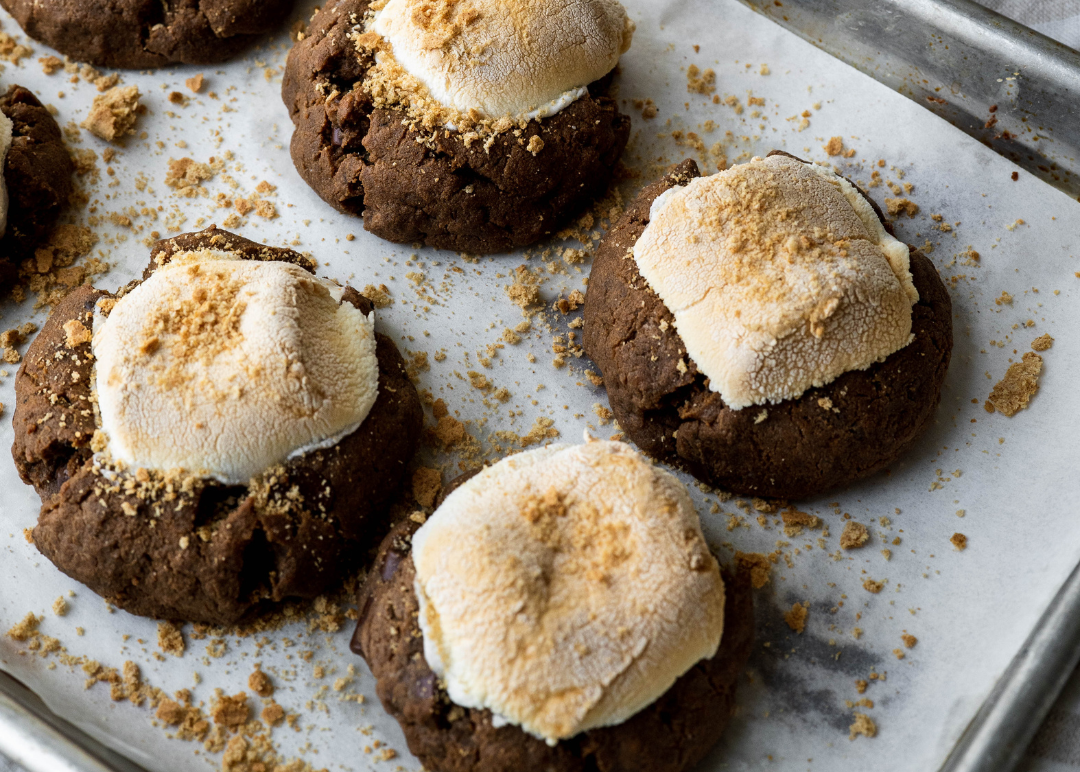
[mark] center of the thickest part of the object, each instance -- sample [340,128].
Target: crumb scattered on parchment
[896,206]
[260,683]
[864,725]
[835,146]
[525,291]
[860,685]
[854,535]
[1013,392]
[795,521]
[1042,343]
[870,585]
[195,83]
[426,485]
[647,108]
[699,81]
[11,51]
[186,175]
[909,640]
[379,296]
[959,541]
[757,564]
[114,113]
[796,616]
[232,711]
[26,629]
[170,639]
[60,607]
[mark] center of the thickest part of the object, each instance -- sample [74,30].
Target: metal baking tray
[1009,87]
[958,60]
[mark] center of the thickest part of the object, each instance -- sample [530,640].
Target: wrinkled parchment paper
[1016,484]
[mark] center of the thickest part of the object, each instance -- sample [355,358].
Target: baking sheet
[970,610]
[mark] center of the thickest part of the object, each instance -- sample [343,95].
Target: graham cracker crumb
[700,82]
[379,296]
[1042,343]
[426,485]
[114,113]
[170,639]
[1013,392]
[863,725]
[60,607]
[854,535]
[896,206]
[835,146]
[873,586]
[273,714]
[795,521]
[75,333]
[231,712]
[860,685]
[909,640]
[959,541]
[195,83]
[796,617]
[260,683]
[26,629]
[757,564]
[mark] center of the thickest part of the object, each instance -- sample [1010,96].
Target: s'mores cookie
[35,178]
[474,125]
[764,329]
[560,610]
[225,433]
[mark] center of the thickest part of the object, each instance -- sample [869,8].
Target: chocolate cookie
[37,172]
[192,548]
[136,34]
[443,190]
[670,735]
[828,437]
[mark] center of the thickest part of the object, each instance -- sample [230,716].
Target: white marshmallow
[780,278]
[521,59]
[224,367]
[566,588]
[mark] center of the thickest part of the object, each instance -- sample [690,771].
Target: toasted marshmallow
[566,588]
[224,367]
[522,59]
[780,278]
[6,128]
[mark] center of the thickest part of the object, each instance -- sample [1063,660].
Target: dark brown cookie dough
[801,447]
[37,172]
[670,735]
[136,34]
[364,161]
[196,549]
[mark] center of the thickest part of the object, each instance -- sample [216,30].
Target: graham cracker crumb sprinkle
[757,564]
[260,683]
[959,541]
[909,640]
[114,113]
[854,535]
[872,586]
[231,712]
[170,639]
[796,617]
[835,146]
[1013,392]
[1042,343]
[863,725]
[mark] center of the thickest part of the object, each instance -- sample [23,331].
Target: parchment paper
[970,610]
